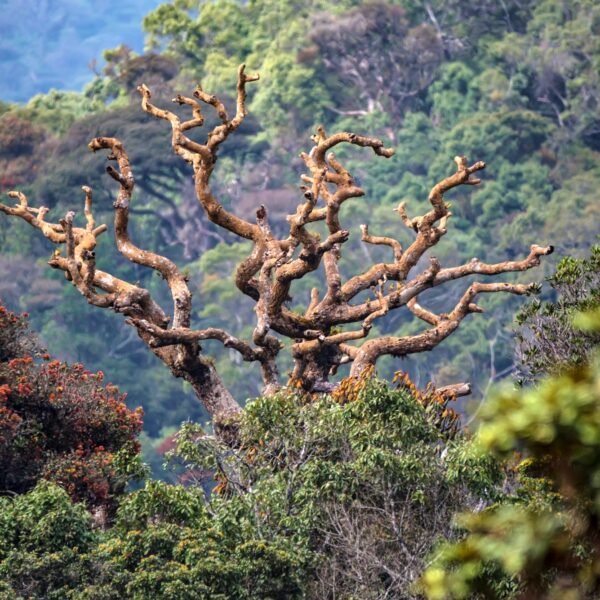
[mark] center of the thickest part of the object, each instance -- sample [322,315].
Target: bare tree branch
[268,273]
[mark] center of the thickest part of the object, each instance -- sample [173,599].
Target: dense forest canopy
[512,83]
[377,489]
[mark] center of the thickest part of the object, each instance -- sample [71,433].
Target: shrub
[61,423]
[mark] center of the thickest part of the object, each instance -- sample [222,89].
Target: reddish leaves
[59,422]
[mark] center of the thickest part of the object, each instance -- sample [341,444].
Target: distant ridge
[45,44]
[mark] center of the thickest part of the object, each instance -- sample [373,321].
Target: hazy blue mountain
[47,44]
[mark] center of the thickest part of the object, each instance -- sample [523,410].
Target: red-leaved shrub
[60,422]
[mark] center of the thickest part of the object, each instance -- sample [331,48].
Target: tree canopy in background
[512,83]
[349,495]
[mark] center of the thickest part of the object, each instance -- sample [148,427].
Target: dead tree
[321,343]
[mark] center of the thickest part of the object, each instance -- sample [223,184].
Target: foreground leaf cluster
[546,541]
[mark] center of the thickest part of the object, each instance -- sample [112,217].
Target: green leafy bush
[544,541]
[547,341]
[375,469]
[344,495]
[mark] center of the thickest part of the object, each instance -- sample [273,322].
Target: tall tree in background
[374,50]
[320,342]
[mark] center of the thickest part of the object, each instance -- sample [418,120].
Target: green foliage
[508,135]
[548,549]
[158,502]
[57,110]
[310,480]
[43,520]
[288,89]
[328,475]
[44,539]
[547,341]
[164,545]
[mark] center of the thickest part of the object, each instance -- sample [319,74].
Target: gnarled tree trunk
[334,328]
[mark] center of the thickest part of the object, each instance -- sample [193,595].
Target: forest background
[514,83]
